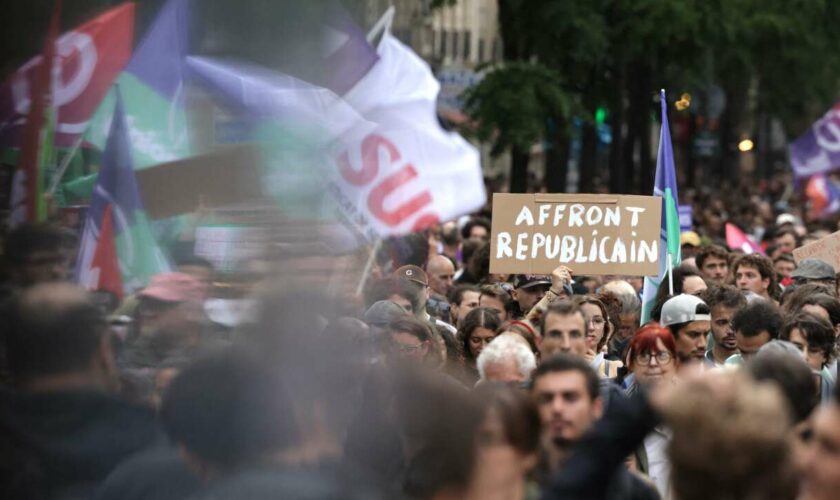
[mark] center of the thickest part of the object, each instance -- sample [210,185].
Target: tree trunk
[588,160]
[617,117]
[519,170]
[557,160]
[646,165]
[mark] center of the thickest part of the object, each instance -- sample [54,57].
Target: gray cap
[383,312]
[813,269]
[683,309]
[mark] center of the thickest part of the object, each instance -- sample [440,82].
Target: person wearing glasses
[653,361]
[598,332]
[409,340]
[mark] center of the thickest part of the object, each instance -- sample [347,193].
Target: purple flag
[817,151]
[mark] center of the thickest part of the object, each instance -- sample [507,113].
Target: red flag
[40,95]
[735,238]
[88,58]
[105,261]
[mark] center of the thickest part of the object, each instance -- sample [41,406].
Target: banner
[388,166]
[825,249]
[90,57]
[817,151]
[591,234]
[409,173]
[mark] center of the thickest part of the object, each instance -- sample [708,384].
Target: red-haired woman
[652,359]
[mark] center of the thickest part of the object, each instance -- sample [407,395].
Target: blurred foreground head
[57,336]
[33,254]
[730,440]
[228,410]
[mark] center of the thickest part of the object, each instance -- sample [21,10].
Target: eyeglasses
[406,348]
[662,358]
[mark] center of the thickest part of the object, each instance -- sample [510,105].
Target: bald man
[441,273]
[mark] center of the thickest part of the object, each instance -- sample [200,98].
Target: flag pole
[65,162]
[368,266]
[670,276]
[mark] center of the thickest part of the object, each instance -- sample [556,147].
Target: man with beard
[723,301]
[689,320]
[569,402]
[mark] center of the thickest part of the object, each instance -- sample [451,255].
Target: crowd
[438,381]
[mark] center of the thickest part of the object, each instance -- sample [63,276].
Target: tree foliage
[771,57]
[515,102]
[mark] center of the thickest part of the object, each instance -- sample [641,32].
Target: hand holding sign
[560,277]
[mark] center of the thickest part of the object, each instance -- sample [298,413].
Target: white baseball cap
[683,309]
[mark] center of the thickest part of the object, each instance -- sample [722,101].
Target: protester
[784,265]
[416,283]
[653,360]
[563,330]
[813,271]
[755,325]
[61,428]
[685,280]
[689,320]
[441,272]
[723,301]
[462,300]
[450,237]
[507,445]
[506,359]
[755,273]
[569,402]
[380,314]
[814,337]
[477,228]
[785,240]
[528,289]
[498,298]
[410,340]
[33,255]
[818,462]
[598,332]
[713,263]
[780,363]
[478,331]
[170,320]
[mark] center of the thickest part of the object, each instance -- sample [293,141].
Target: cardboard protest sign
[825,249]
[591,234]
[227,176]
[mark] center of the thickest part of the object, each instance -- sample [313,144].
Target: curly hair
[764,266]
[710,251]
[817,332]
[758,316]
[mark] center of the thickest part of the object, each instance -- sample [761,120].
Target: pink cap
[175,287]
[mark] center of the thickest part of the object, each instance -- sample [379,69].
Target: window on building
[444,43]
[480,50]
[455,39]
[497,50]
[467,45]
